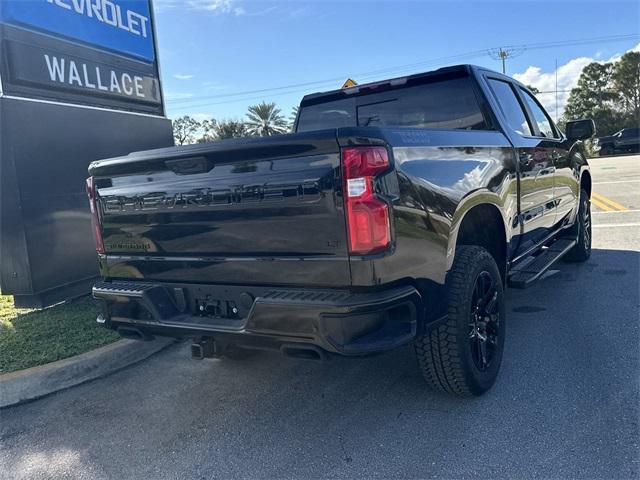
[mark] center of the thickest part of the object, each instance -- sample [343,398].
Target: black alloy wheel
[484,327]
[582,231]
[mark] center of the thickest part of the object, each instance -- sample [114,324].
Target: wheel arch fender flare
[586,180]
[505,207]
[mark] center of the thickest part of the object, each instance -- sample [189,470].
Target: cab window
[439,104]
[510,106]
[540,117]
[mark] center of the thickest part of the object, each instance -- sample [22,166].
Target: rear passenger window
[510,106]
[450,104]
[539,115]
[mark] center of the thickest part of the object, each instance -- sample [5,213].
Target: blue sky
[211,51]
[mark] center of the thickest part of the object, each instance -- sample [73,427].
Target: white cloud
[196,116]
[183,77]
[201,116]
[177,95]
[218,7]
[568,75]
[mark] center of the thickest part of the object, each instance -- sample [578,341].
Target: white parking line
[615,211]
[617,181]
[616,225]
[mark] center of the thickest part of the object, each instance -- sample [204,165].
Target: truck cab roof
[453,71]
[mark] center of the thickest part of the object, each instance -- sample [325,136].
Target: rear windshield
[446,104]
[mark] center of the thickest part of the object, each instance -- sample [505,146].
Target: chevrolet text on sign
[123,26]
[108,12]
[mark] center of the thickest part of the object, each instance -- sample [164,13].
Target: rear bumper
[337,321]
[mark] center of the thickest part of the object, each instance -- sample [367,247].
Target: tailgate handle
[190,166]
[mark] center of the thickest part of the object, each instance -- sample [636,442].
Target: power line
[362,75]
[182,104]
[432,62]
[237,100]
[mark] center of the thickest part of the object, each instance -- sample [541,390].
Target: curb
[32,383]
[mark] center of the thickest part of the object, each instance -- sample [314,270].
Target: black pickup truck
[397,213]
[626,140]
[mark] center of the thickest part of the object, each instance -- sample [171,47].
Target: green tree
[593,97]
[208,130]
[626,84]
[229,129]
[533,89]
[185,129]
[265,119]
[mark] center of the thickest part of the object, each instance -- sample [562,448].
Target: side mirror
[580,129]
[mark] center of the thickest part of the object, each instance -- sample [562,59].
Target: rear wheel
[462,356]
[582,251]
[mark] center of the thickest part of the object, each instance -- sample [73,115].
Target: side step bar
[525,275]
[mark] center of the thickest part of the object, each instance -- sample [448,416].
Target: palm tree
[265,119]
[293,117]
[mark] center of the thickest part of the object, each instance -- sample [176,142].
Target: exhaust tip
[304,352]
[205,348]
[134,334]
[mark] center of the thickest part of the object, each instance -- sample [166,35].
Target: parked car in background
[397,213]
[626,140]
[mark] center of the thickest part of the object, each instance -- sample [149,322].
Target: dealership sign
[90,52]
[78,83]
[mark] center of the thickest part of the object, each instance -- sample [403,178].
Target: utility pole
[556,90]
[503,54]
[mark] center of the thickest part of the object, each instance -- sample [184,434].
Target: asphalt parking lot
[567,403]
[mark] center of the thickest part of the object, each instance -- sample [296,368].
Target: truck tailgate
[261,210]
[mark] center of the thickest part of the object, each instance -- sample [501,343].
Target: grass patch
[34,337]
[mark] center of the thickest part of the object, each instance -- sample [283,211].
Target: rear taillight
[95,217]
[367,215]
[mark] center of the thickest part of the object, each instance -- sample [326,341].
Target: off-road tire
[444,353]
[582,230]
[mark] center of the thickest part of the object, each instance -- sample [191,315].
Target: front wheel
[462,356]
[582,229]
